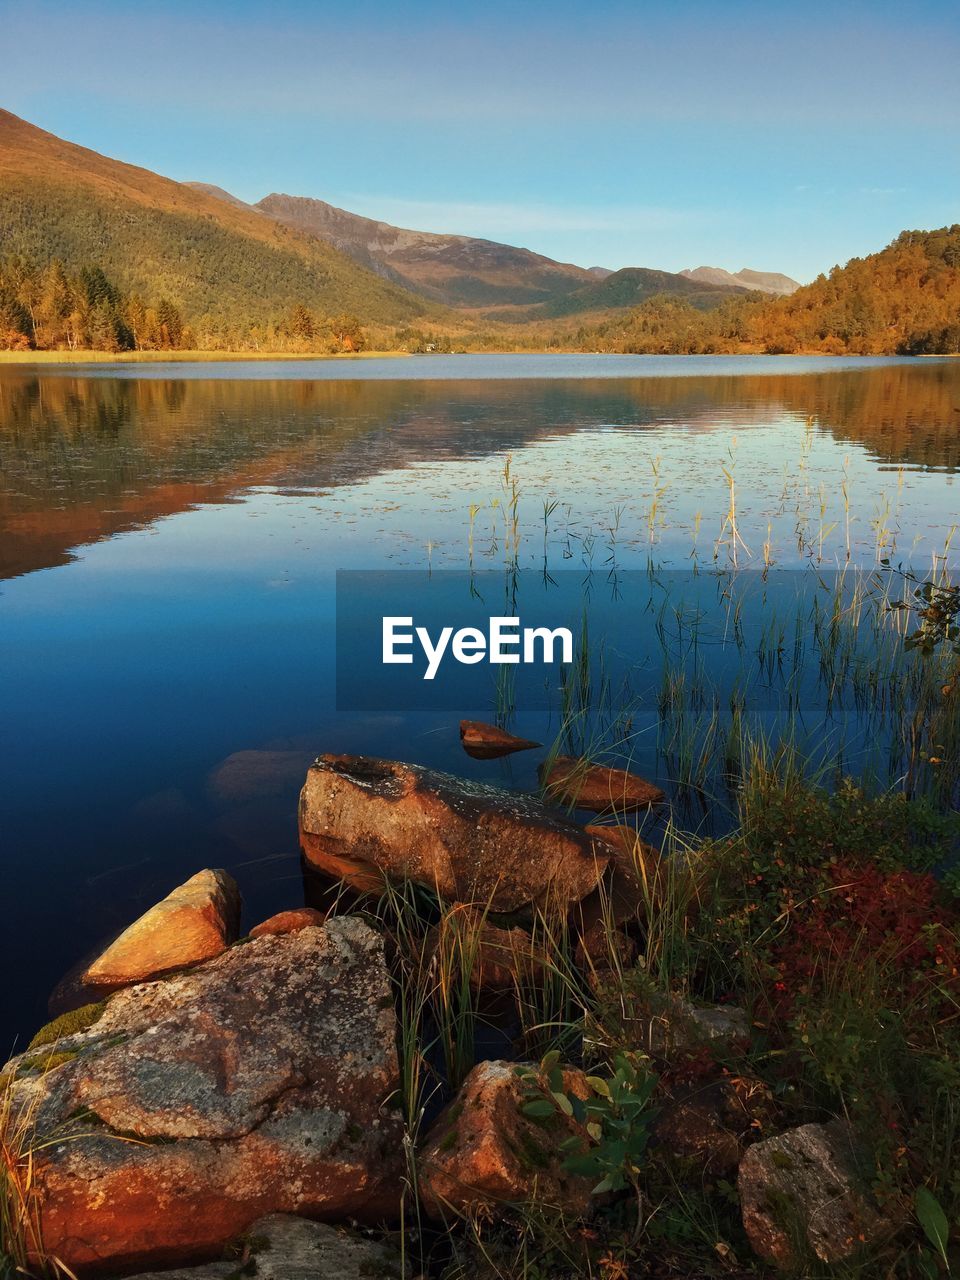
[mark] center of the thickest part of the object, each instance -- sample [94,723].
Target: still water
[170,535]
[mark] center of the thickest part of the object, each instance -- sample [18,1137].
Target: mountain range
[218,257]
[758,281]
[95,252]
[467,272]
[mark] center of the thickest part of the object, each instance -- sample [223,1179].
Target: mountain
[222,263]
[760,281]
[460,271]
[632,286]
[218,193]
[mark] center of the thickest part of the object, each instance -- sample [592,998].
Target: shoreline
[87,357]
[182,357]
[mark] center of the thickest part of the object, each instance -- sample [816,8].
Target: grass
[22,1251]
[177,357]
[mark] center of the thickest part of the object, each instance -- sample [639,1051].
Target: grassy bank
[176,357]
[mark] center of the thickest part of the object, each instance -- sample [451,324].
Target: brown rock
[365,819]
[804,1193]
[640,880]
[498,958]
[487,742]
[257,775]
[711,1123]
[196,922]
[256,1083]
[482,1147]
[288,922]
[282,1247]
[583,785]
[604,950]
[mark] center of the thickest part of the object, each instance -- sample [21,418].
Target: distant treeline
[47,308]
[903,300]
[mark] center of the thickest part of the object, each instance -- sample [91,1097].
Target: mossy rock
[44,1062]
[68,1024]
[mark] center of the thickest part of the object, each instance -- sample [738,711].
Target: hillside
[460,271]
[759,281]
[904,299]
[223,265]
[631,286]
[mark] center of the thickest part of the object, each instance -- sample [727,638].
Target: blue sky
[781,137]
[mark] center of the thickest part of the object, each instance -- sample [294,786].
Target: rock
[259,1082]
[583,785]
[711,1123]
[673,1027]
[669,1028]
[483,1148]
[499,959]
[604,950]
[257,775]
[364,819]
[195,922]
[282,1247]
[289,922]
[640,880]
[803,1192]
[487,742]
[638,883]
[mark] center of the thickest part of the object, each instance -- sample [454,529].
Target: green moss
[44,1062]
[68,1024]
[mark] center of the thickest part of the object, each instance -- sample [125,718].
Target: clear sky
[775,136]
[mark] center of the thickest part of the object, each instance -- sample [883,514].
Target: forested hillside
[233,275]
[904,299]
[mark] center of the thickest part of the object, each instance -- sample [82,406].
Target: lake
[170,537]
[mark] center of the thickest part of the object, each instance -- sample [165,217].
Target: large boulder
[195,922]
[363,820]
[804,1193]
[583,785]
[483,1148]
[282,1247]
[262,1081]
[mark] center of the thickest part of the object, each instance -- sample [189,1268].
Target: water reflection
[85,457]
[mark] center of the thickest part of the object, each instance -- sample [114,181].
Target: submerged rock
[195,922]
[487,742]
[366,820]
[282,1247]
[803,1193]
[483,1147]
[257,775]
[583,785]
[259,1082]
